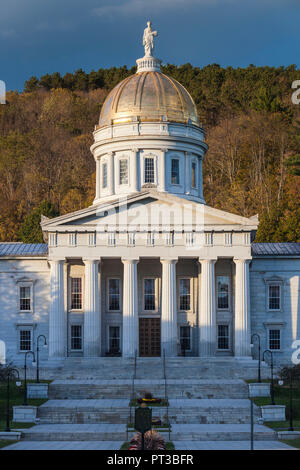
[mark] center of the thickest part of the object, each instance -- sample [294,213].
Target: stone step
[117,411]
[76,432]
[220,432]
[189,388]
[65,445]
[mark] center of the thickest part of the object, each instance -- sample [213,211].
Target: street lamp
[37,356]
[18,383]
[25,374]
[256,336]
[272,377]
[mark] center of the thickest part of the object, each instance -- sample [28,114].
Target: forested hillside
[253,132]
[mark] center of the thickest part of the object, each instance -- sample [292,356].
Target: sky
[46,36]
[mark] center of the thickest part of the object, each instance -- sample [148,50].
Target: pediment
[149,210]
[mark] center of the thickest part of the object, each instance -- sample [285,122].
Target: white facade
[149,267]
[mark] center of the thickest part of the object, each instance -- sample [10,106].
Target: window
[114,294]
[223,337]
[104,175]
[193,174]
[274,339]
[223,292]
[184,294]
[76,337]
[149,294]
[25,340]
[150,238]
[111,238]
[25,298]
[175,171]
[274,297]
[185,338]
[114,339]
[76,293]
[149,170]
[123,171]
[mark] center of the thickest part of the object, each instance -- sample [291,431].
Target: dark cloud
[37,37]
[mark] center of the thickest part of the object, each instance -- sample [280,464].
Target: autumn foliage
[253,133]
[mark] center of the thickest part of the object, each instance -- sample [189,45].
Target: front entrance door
[149,334]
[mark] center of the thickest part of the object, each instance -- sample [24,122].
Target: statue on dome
[148,41]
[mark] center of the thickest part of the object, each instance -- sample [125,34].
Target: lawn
[282,397]
[16,398]
[292,442]
[4,443]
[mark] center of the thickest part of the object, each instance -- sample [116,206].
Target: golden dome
[148,96]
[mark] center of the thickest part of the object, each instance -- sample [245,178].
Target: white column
[134,167]
[57,318]
[169,307]
[130,307]
[92,324]
[97,195]
[187,173]
[242,328]
[162,170]
[207,314]
[111,173]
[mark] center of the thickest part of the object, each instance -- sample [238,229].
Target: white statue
[148,41]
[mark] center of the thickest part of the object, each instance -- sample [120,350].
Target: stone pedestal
[92,336]
[259,389]
[207,314]
[130,307]
[57,318]
[168,307]
[24,414]
[273,412]
[37,390]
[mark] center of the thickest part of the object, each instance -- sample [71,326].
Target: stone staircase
[205,403]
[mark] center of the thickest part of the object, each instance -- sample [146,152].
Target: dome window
[124,171]
[175,171]
[193,174]
[149,170]
[104,175]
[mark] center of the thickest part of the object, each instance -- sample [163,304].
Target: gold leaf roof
[148,96]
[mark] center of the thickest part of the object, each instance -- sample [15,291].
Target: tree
[30,230]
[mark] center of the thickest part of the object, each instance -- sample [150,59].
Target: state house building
[149,267]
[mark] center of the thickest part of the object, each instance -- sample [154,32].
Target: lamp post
[272,377]
[18,383]
[25,374]
[256,336]
[37,356]
[291,427]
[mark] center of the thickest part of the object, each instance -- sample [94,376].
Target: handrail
[133,379]
[166,395]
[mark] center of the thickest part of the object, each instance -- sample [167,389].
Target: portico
[116,293]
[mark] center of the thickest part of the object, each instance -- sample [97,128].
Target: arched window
[104,175]
[124,171]
[175,171]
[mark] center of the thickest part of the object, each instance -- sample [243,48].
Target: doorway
[149,337]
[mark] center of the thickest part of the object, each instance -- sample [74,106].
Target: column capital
[130,260]
[207,260]
[168,260]
[134,149]
[110,154]
[57,260]
[91,260]
[164,150]
[242,260]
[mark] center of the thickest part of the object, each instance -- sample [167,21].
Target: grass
[126,445]
[4,443]
[16,399]
[292,442]
[282,397]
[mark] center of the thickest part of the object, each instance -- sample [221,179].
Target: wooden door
[149,337]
